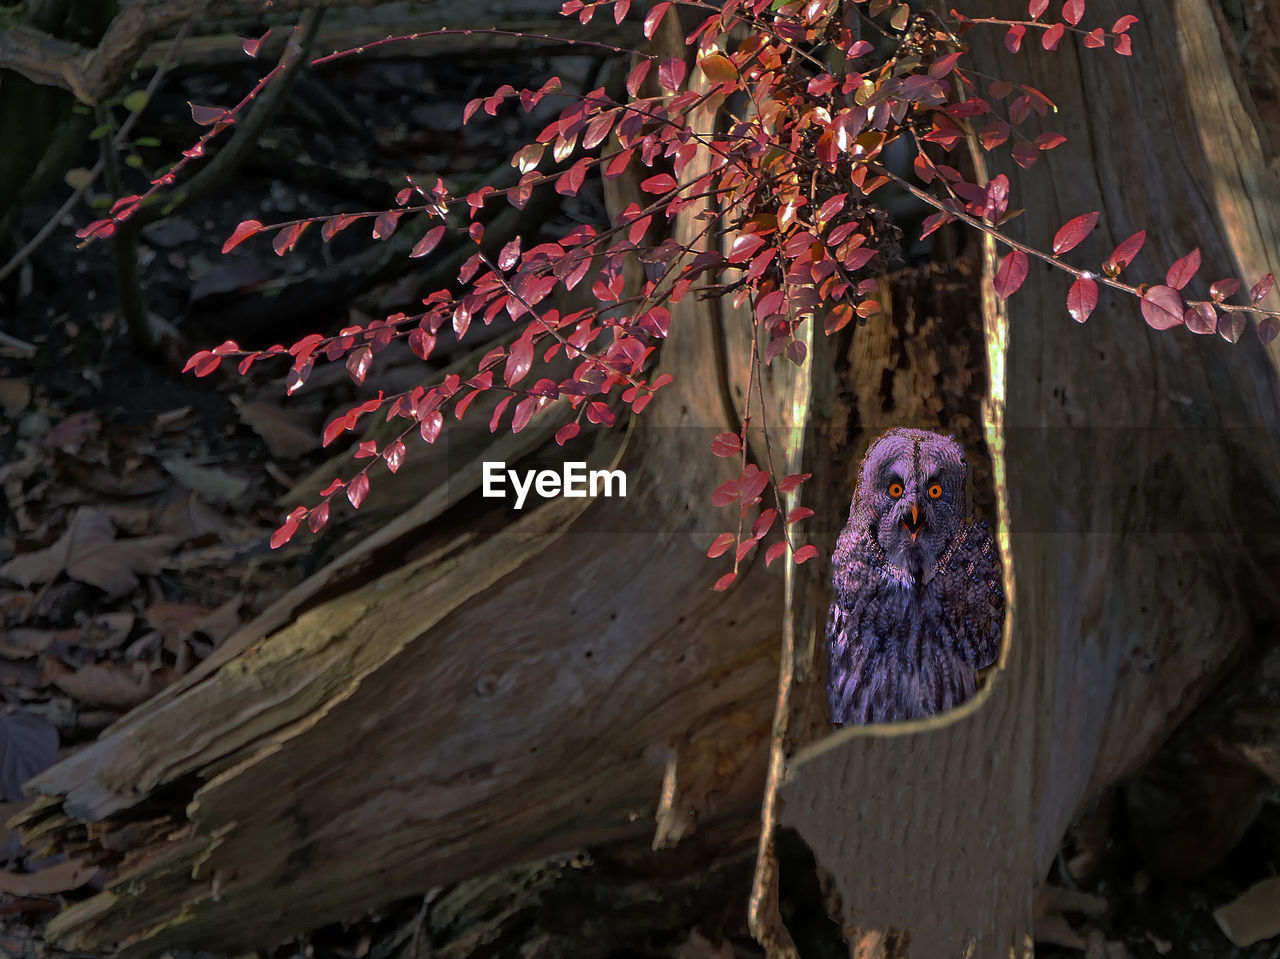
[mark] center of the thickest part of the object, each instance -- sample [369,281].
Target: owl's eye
[935,491]
[895,490]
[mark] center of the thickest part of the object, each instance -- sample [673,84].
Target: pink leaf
[792,482]
[1268,327]
[207,116]
[1123,255]
[1231,326]
[726,494]
[799,513]
[724,582]
[394,455]
[284,533]
[566,433]
[1081,299]
[804,554]
[1073,11]
[654,18]
[721,544]
[1010,274]
[1261,289]
[1053,36]
[1183,270]
[1162,307]
[519,360]
[1223,289]
[726,444]
[428,242]
[773,552]
[246,229]
[671,74]
[358,489]
[1201,318]
[1036,8]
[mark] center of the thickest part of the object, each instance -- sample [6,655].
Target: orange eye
[935,491]
[895,490]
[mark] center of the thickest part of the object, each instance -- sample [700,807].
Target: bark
[468,689]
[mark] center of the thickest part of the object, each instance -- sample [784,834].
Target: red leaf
[763,523]
[1010,274]
[1036,8]
[598,412]
[430,425]
[394,455]
[246,229]
[944,65]
[671,74]
[318,517]
[510,255]
[571,181]
[332,488]
[1047,141]
[566,433]
[1072,11]
[1231,325]
[1081,299]
[428,242]
[721,544]
[659,183]
[1095,39]
[1053,36]
[1025,155]
[792,482]
[726,444]
[744,247]
[804,554]
[1183,270]
[519,360]
[996,201]
[385,224]
[743,549]
[635,79]
[335,223]
[1123,255]
[252,44]
[1124,45]
[652,20]
[1261,289]
[358,489]
[1013,39]
[358,364]
[207,116]
[1268,327]
[287,238]
[284,533]
[1201,318]
[1223,289]
[1123,24]
[725,581]
[1162,307]
[799,513]
[726,494]
[773,552]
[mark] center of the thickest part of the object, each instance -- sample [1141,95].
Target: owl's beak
[915,524]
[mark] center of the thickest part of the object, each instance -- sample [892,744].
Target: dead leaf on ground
[14,397]
[286,434]
[28,746]
[213,483]
[89,553]
[1253,916]
[116,685]
[63,877]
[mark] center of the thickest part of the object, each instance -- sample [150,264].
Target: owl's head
[911,491]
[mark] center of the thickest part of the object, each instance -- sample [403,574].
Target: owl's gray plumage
[917,600]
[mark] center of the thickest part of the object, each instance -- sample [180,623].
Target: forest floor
[137,505]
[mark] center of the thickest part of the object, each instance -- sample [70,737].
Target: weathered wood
[1137,476]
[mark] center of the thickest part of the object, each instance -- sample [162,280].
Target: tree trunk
[467,689]
[1138,476]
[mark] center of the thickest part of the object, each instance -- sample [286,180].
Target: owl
[917,602]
